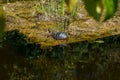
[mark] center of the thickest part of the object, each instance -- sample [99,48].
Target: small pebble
[60,36]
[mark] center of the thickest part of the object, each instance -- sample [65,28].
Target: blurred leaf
[94,8]
[101,10]
[110,7]
[72,6]
[2,22]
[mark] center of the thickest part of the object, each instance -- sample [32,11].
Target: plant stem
[62,8]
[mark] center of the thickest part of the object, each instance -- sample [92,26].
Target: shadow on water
[90,71]
[10,59]
[25,60]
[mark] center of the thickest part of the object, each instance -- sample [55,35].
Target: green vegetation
[2,22]
[101,10]
[110,7]
[71,5]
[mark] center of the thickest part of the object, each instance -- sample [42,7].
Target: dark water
[9,57]
[78,61]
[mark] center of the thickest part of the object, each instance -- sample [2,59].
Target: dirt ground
[39,27]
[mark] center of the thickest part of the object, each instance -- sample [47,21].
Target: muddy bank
[28,18]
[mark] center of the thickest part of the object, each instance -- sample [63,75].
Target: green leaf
[101,10]
[110,7]
[94,8]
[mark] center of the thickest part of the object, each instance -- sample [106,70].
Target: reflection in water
[48,69]
[79,61]
[10,59]
[90,71]
[86,71]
